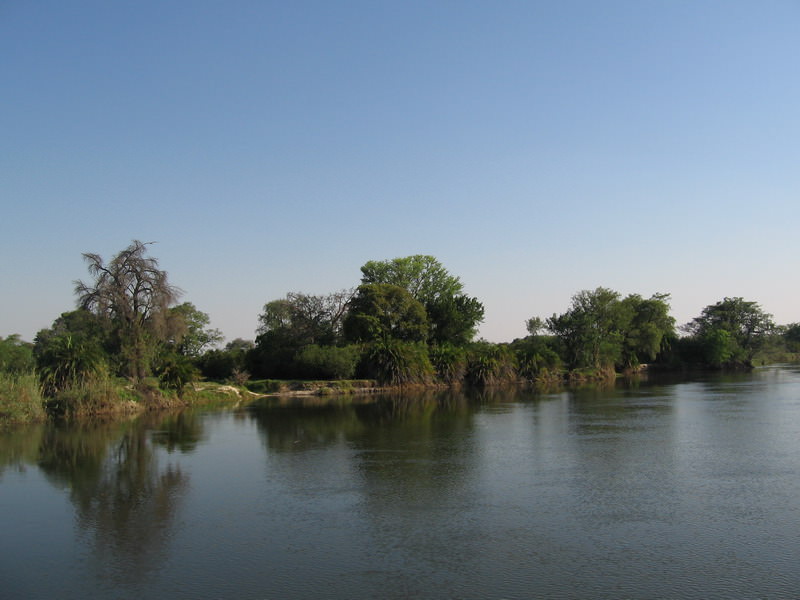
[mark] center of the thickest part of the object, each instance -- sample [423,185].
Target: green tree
[649,326]
[289,324]
[227,362]
[307,318]
[745,325]
[591,330]
[422,276]
[536,357]
[603,330]
[134,295]
[718,347]
[381,311]
[190,329]
[453,317]
[16,356]
[791,336]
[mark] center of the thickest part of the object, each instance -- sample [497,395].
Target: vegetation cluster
[130,345]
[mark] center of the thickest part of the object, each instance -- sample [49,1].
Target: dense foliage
[604,331]
[730,333]
[408,322]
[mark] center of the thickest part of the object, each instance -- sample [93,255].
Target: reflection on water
[643,489]
[124,500]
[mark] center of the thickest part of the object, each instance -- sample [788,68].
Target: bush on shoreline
[21,398]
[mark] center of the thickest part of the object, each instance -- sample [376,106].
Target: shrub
[175,371]
[393,362]
[489,364]
[65,362]
[536,359]
[21,398]
[450,363]
[327,362]
[95,395]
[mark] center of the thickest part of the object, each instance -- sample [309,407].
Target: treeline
[409,321]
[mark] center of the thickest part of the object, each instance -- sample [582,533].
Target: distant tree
[381,311]
[603,330]
[134,295]
[289,324]
[590,330]
[648,327]
[190,329]
[791,336]
[731,331]
[16,356]
[239,345]
[224,363]
[83,326]
[306,318]
[534,325]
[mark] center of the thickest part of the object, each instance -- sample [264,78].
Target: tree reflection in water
[125,500]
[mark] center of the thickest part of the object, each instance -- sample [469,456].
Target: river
[687,489]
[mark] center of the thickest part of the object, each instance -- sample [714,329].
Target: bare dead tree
[134,294]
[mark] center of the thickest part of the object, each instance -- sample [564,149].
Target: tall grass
[21,398]
[491,364]
[449,362]
[392,362]
[95,395]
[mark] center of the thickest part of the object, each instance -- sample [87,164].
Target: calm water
[683,490]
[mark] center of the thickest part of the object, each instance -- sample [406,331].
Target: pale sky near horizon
[535,148]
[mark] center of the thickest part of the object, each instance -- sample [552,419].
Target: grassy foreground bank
[22,398]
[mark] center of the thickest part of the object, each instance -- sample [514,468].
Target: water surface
[685,489]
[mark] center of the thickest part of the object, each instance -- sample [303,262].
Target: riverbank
[23,401]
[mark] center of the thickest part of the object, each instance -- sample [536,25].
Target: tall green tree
[590,330]
[134,294]
[603,330]
[649,326]
[422,276]
[381,311]
[731,331]
[453,317]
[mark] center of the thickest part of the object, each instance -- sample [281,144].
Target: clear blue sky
[535,148]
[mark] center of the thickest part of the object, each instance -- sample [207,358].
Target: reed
[21,398]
